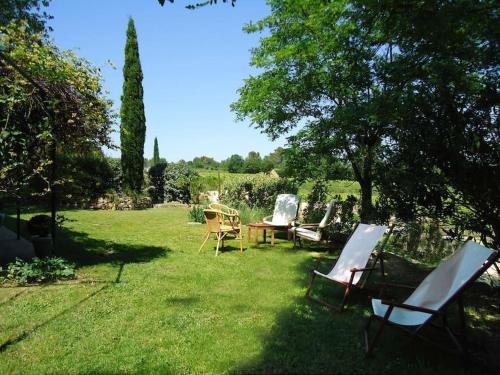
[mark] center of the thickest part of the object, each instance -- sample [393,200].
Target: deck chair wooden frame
[350,285]
[438,318]
[216,220]
[313,232]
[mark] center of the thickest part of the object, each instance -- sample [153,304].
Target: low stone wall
[121,204]
[171,204]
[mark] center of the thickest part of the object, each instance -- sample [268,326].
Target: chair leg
[311,282]
[241,240]
[218,242]
[347,291]
[204,242]
[371,344]
[344,298]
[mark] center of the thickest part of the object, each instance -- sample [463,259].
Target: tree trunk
[53,197]
[363,176]
[366,214]
[18,219]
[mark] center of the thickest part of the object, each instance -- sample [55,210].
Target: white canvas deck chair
[285,211]
[305,231]
[352,262]
[431,298]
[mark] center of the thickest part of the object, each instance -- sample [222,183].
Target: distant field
[335,187]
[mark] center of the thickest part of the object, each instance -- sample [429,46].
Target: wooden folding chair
[313,232]
[351,265]
[427,305]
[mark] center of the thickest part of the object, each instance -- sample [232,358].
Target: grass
[147,302]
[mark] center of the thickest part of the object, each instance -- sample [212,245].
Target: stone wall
[121,203]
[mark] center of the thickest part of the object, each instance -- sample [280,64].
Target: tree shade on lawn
[157,305]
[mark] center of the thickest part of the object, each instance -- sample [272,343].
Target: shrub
[256,191]
[39,225]
[157,181]
[90,177]
[196,214]
[250,215]
[178,179]
[422,240]
[40,270]
[316,202]
[344,212]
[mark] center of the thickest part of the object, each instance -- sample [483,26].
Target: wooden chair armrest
[362,269]
[315,225]
[410,307]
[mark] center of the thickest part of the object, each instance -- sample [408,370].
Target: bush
[39,225]
[316,202]
[256,191]
[157,181]
[250,215]
[196,214]
[40,270]
[178,180]
[90,176]
[344,211]
[422,240]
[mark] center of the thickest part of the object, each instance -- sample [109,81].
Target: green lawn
[147,302]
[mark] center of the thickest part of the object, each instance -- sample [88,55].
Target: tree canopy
[31,12]
[406,92]
[317,73]
[201,4]
[50,100]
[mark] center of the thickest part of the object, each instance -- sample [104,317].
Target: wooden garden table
[263,228]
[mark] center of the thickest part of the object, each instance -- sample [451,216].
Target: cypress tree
[133,120]
[156,153]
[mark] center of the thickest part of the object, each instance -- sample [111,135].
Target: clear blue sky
[193,63]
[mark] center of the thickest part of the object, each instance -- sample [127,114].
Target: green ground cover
[146,301]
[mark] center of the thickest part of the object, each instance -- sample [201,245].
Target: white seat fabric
[311,235]
[356,253]
[285,210]
[439,286]
[307,233]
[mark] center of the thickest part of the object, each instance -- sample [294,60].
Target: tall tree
[235,164]
[156,153]
[317,72]
[133,120]
[442,157]
[51,103]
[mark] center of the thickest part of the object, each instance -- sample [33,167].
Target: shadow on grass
[308,338]
[26,334]
[83,250]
